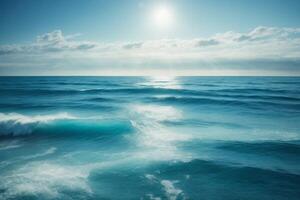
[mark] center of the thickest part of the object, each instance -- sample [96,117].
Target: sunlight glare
[163,16]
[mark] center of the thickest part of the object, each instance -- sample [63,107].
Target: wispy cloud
[263,48]
[54,41]
[134,45]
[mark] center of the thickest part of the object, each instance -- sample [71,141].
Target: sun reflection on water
[167,82]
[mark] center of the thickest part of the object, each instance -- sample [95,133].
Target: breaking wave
[17,124]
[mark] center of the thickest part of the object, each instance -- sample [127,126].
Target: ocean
[150,138]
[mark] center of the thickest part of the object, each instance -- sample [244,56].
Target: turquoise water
[149,138]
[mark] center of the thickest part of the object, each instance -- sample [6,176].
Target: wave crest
[17,124]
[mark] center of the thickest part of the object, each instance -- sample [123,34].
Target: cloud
[263,48]
[9,49]
[207,42]
[260,33]
[54,41]
[54,37]
[135,45]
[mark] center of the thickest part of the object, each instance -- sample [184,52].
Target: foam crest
[52,180]
[45,179]
[18,124]
[158,113]
[156,140]
[24,119]
[252,135]
[7,145]
[171,191]
[49,151]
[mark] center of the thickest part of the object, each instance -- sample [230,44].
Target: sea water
[150,138]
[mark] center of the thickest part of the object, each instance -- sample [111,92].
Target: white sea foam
[7,145]
[49,151]
[10,147]
[44,179]
[24,119]
[155,139]
[217,133]
[18,124]
[152,197]
[158,113]
[151,177]
[172,192]
[50,179]
[187,176]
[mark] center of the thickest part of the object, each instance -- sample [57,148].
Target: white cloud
[207,42]
[260,33]
[263,48]
[134,45]
[54,41]
[54,37]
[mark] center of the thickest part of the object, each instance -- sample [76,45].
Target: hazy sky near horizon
[149,37]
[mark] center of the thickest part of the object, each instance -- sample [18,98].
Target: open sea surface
[150,138]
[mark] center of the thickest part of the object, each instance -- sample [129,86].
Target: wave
[14,124]
[256,97]
[217,96]
[102,99]
[251,90]
[206,123]
[9,145]
[233,171]
[153,139]
[264,148]
[197,100]
[17,124]
[253,104]
[171,191]
[85,84]
[49,151]
[44,179]
[128,90]
[24,119]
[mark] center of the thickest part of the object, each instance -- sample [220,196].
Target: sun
[163,16]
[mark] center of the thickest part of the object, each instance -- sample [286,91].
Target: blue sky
[234,37]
